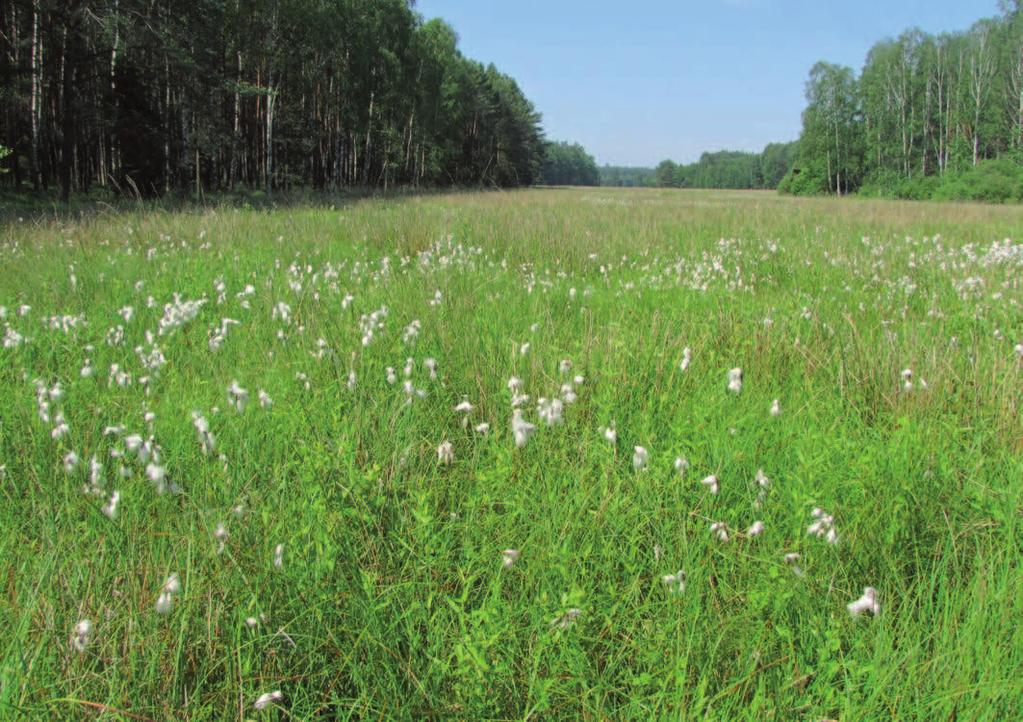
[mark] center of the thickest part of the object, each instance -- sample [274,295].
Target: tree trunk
[35,100]
[69,70]
[369,131]
[271,91]
[1019,112]
[236,138]
[167,125]
[109,165]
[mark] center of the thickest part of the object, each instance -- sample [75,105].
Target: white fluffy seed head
[164,603]
[735,380]
[675,583]
[866,603]
[173,584]
[521,429]
[110,508]
[237,396]
[446,452]
[687,357]
[81,635]
[640,456]
[711,482]
[265,700]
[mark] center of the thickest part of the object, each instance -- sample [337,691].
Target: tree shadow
[30,207]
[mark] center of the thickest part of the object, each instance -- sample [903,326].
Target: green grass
[392,602]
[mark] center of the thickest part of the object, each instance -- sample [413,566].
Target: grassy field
[271,396]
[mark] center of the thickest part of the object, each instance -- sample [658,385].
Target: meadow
[543,454]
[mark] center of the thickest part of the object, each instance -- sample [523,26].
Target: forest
[568,164]
[150,96]
[146,97]
[730,169]
[929,116]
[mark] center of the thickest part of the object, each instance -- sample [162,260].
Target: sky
[640,81]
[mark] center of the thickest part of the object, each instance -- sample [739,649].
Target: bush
[994,181]
[881,184]
[802,181]
[892,184]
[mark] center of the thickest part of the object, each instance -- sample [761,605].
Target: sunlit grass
[392,598]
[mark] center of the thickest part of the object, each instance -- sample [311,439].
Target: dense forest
[730,169]
[568,164]
[149,96]
[143,97]
[936,116]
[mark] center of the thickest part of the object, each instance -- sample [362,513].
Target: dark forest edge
[149,97]
[29,207]
[244,98]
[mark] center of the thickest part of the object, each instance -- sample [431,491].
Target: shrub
[996,181]
[803,181]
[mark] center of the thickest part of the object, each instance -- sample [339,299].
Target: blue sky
[636,82]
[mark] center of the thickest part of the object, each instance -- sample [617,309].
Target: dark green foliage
[804,180]
[997,181]
[569,165]
[665,173]
[724,169]
[890,184]
[208,95]
[730,169]
[775,161]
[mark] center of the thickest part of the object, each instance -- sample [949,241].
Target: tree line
[627,176]
[925,112]
[150,96]
[730,169]
[568,164]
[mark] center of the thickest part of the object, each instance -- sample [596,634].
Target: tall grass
[392,601]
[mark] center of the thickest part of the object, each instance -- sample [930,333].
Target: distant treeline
[627,176]
[149,96]
[929,116]
[568,164]
[730,169]
[723,169]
